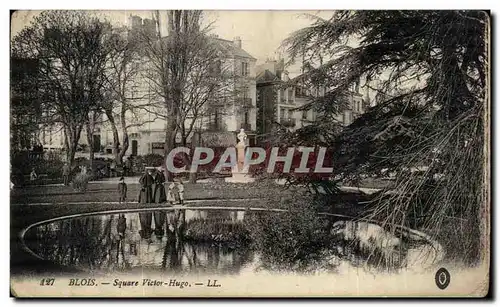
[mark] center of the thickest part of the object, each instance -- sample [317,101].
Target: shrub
[153,160]
[53,168]
[22,164]
[80,182]
[291,240]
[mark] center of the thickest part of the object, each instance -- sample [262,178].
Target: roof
[230,49]
[227,47]
[266,76]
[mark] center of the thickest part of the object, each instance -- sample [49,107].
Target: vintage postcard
[182,153]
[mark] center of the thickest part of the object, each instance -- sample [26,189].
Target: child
[122,190]
[171,194]
[33,175]
[180,189]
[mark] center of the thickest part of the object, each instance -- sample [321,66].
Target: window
[357,105]
[304,115]
[244,68]
[245,92]
[135,91]
[214,120]
[246,118]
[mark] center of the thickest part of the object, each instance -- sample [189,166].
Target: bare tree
[68,46]
[93,120]
[126,92]
[187,75]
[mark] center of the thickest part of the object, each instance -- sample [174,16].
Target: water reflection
[226,242]
[175,241]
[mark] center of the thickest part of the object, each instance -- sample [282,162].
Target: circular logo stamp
[442,278]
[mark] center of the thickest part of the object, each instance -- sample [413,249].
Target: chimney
[135,22]
[237,41]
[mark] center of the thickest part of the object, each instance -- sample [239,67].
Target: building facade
[146,126]
[279,104]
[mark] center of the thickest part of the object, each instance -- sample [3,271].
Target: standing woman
[146,181]
[159,197]
[159,191]
[146,197]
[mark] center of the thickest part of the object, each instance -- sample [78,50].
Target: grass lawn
[107,192]
[261,193]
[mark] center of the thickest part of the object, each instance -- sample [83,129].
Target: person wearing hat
[122,190]
[65,172]
[159,188]
[146,182]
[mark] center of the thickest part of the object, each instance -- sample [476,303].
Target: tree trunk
[90,140]
[170,134]
[125,140]
[195,141]
[116,138]
[118,152]
[71,142]
[66,145]
[123,150]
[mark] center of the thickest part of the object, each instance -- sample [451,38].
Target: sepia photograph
[250,153]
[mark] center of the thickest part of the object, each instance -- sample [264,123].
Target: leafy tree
[433,66]
[266,109]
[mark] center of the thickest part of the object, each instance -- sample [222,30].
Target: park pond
[231,241]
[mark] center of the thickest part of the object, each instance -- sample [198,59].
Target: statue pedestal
[239,178]
[238,174]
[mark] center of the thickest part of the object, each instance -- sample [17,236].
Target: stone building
[278,104]
[147,129]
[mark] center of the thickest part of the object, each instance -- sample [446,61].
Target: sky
[261,31]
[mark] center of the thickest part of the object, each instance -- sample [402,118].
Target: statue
[239,172]
[240,148]
[242,136]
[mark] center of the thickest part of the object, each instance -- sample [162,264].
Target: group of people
[152,184]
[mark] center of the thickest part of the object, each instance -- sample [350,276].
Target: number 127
[47,282]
